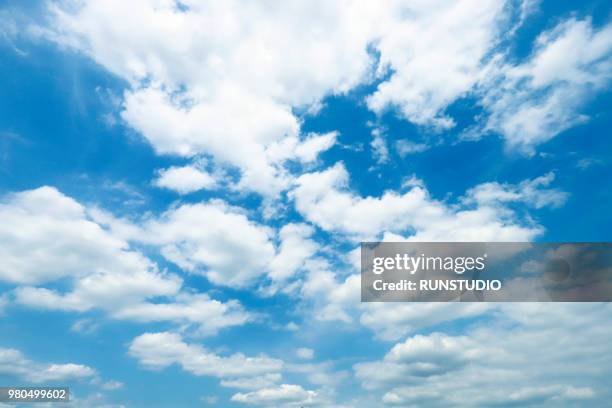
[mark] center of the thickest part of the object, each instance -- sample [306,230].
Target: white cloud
[112,385]
[390,321]
[231,91]
[324,199]
[230,87]
[219,241]
[434,51]
[513,362]
[160,350]
[285,395]
[208,314]
[184,180]
[253,383]
[379,145]
[47,236]
[14,363]
[405,147]
[305,353]
[213,239]
[532,192]
[532,102]
[66,242]
[295,249]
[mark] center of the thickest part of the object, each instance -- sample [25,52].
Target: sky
[184,187]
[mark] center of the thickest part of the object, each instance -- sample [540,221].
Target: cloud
[532,102]
[531,192]
[324,198]
[184,180]
[213,239]
[231,87]
[379,145]
[156,351]
[418,357]
[253,383]
[234,92]
[67,242]
[295,249]
[405,147]
[513,362]
[434,52]
[390,321]
[14,363]
[48,236]
[221,242]
[208,314]
[285,395]
[305,353]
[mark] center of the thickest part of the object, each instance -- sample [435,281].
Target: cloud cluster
[532,102]
[324,198]
[228,81]
[48,237]
[535,354]
[14,363]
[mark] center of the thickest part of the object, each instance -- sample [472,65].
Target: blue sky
[184,187]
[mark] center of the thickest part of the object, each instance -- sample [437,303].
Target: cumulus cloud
[14,363]
[324,198]
[230,88]
[434,52]
[221,242]
[214,239]
[285,395]
[532,192]
[233,91]
[532,102]
[48,236]
[522,366]
[391,321]
[305,353]
[295,249]
[184,180]
[159,350]
[208,314]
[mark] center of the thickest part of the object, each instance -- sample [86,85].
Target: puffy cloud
[324,199]
[213,239]
[222,243]
[48,236]
[390,321]
[419,356]
[532,102]
[532,192]
[233,91]
[434,52]
[514,362]
[305,353]
[14,363]
[159,350]
[295,249]
[252,383]
[208,314]
[184,180]
[285,395]
[379,146]
[230,87]
[405,147]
